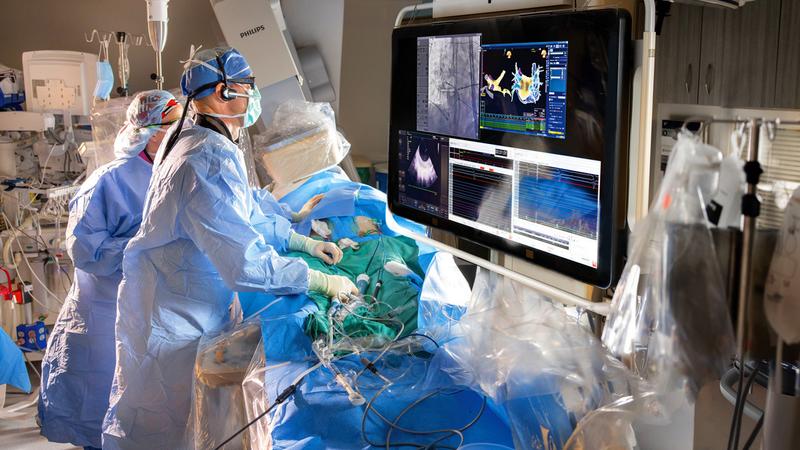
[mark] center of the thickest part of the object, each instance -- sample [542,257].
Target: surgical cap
[202,69]
[148,108]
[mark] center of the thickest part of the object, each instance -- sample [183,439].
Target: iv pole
[157,20]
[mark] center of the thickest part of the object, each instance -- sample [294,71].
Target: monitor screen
[524,88]
[448,71]
[507,130]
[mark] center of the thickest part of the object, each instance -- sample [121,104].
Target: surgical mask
[250,114]
[253,111]
[105,80]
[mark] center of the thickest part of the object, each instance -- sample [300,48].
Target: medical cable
[30,268]
[452,432]
[738,410]
[754,433]
[38,238]
[33,274]
[394,426]
[457,431]
[282,397]
[382,353]
[333,348]
[69,277]
[426,337]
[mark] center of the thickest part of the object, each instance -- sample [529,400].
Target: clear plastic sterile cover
[220,405]
[107,119]
[669,320]
[256,401]
[301,140]
[536,362]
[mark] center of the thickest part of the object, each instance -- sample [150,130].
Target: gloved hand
[306,209]
[330,285]
[328,252]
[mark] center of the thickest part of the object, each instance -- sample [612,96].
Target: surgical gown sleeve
[221,219]
[268,205]
[94,241]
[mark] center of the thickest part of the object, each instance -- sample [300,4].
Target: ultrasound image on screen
[421,177]
[422,170]
[448,70]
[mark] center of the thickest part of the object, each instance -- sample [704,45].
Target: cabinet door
[713,50]
[751,56]
[787,90]
[678,56]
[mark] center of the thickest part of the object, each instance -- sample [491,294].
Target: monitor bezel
[614,25]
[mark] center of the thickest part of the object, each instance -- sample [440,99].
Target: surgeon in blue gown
[106,212]
[205,233]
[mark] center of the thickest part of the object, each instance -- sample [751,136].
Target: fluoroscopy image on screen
[523,88]
[421,177]
[448,71]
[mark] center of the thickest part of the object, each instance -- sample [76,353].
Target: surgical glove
[306,209]
[330,285]
[328,252]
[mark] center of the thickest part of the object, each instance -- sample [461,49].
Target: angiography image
[448,82]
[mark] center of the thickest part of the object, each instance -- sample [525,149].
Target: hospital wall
[60,25]
[26,28]
[319,23]
[366,74]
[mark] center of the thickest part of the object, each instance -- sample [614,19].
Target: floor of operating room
[23,434]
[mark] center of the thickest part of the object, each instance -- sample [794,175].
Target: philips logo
[251,31]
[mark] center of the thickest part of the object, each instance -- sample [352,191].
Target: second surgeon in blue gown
[205,233]
[106,212]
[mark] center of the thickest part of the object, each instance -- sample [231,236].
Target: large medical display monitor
[508,131]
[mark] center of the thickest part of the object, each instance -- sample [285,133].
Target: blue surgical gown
[79,362]
[204,235]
